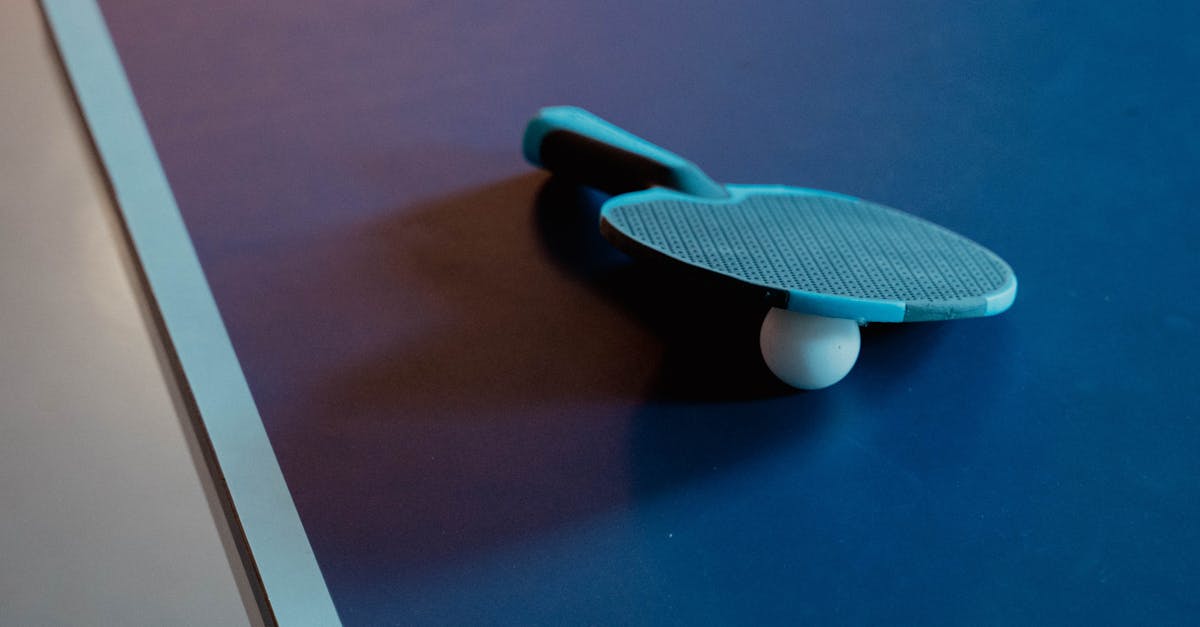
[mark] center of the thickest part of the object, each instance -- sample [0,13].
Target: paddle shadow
[488,369]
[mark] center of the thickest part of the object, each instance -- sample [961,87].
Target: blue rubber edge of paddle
[831,305]
[265,515]
[999,302]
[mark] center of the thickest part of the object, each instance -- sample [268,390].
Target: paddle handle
[574,143]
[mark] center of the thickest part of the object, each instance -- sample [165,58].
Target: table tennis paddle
[826,262]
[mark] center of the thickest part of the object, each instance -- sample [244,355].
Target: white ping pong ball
[808,352]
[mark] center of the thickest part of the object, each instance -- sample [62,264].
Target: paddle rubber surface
[818,252]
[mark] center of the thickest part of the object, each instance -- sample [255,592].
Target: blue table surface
[487,416]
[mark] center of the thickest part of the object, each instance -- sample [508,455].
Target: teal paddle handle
[574,143]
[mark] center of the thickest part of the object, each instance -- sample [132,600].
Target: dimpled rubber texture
[818,243]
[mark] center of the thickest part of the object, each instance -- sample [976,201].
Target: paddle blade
[817,252]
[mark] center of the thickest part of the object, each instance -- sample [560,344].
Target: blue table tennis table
[436,396]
